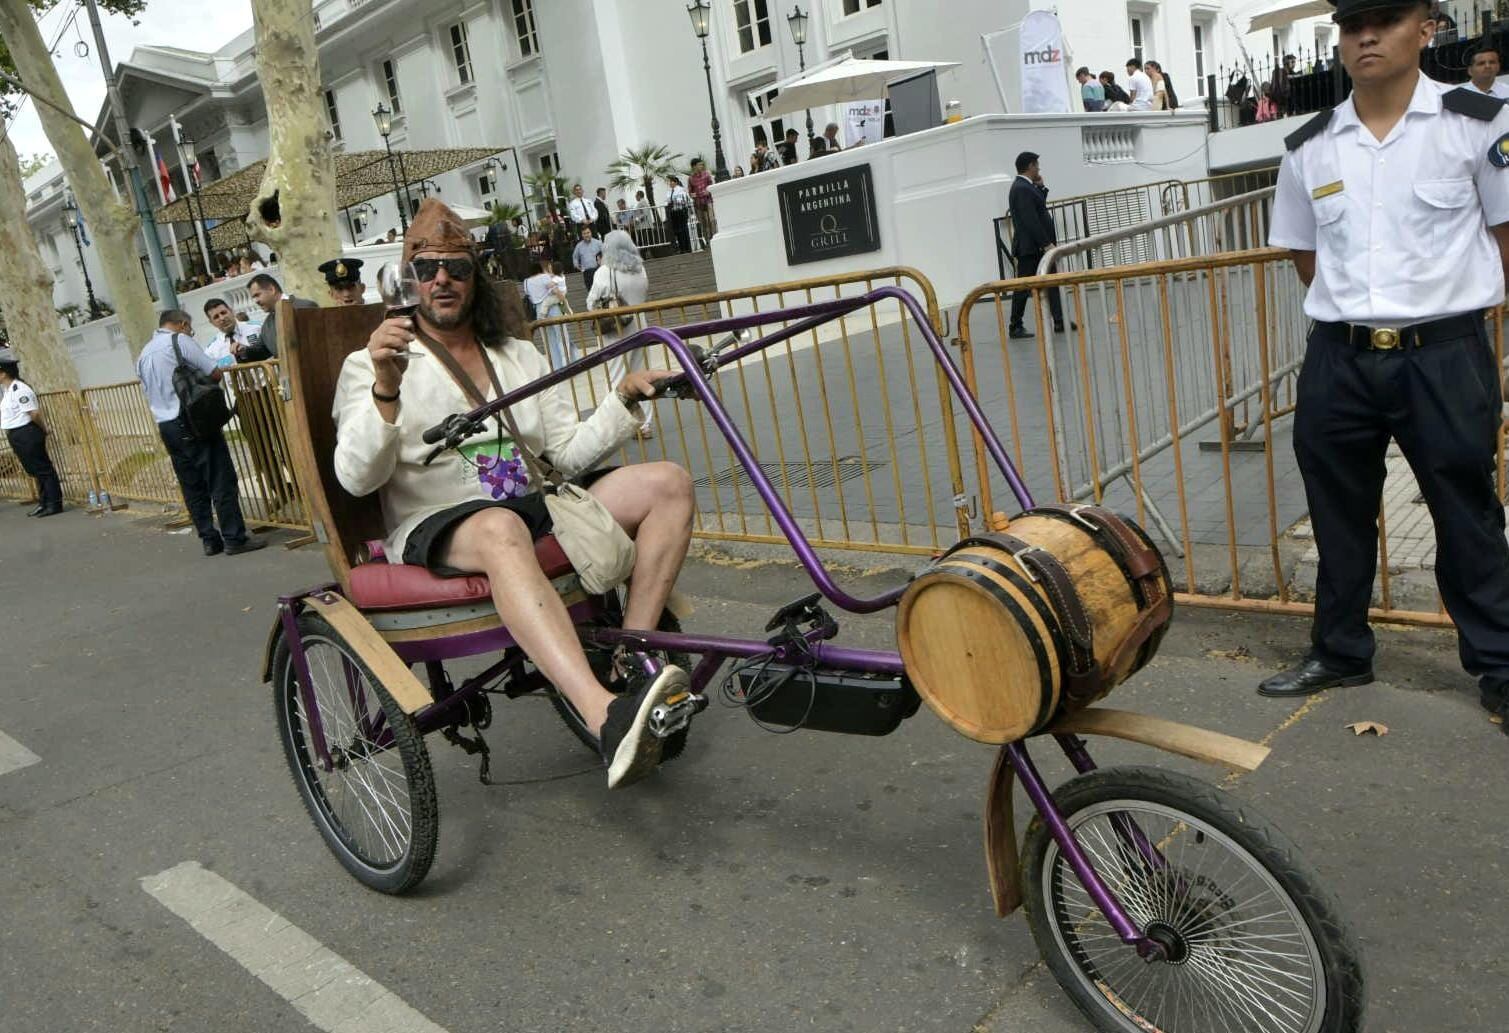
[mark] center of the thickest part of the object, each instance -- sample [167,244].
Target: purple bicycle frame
[714,650]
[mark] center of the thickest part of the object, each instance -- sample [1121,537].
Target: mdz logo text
[1046,56]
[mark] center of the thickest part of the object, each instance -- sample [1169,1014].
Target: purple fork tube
[1042,799]
[295,643]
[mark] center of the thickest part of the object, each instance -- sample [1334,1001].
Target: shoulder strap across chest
[1472,104]
[1309,129]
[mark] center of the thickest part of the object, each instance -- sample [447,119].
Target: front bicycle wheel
[1252,943]
[375,806]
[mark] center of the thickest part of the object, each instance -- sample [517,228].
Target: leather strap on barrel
[1082,678]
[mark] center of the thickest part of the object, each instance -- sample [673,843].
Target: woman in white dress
[622,276]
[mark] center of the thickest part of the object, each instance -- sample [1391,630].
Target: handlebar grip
[437,432]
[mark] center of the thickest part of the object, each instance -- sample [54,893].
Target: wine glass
[399,286]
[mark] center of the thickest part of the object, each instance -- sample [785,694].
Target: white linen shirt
[1140,89]
[17,403]
[1399,227]
[374,455]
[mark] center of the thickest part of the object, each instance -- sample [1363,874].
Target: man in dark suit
[1032,236]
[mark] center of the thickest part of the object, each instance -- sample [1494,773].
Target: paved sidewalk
[760,883]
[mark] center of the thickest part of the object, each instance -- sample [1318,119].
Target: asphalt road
[759,883]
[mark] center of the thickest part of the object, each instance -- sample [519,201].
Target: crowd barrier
[848,419]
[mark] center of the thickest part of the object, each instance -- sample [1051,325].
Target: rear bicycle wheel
[1253,944]
[376,808]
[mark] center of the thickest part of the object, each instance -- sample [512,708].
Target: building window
[1200,39]
[461,52]
[550,163]
[1138,37]
[524,28]
[390,78]
[752,19]
[333,115]
[855,6]
[484,186]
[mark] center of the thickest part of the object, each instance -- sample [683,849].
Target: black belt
[1388,338]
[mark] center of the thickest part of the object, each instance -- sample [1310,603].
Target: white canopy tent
[1290,11]
[842,82]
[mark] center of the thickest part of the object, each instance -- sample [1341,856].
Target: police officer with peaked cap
[344,275]
[21,419]
[1396,206]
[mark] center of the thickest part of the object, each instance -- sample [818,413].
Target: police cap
[341,272]
[6,355]
[1347,8]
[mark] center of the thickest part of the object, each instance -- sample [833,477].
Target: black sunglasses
[457,268]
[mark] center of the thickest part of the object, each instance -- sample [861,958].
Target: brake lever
[680,386]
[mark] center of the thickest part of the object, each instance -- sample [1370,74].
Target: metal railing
[851,420]
[1172,396]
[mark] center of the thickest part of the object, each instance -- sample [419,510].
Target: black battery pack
[822,700]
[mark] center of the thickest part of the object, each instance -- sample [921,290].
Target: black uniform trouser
[208,479]
[30,445]
[681,229]
[1026,265]
[1442,402]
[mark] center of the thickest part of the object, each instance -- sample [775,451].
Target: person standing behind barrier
[678,206]
[206,474]
[258,400]
[586,255]
[623,274]
[21,419]
[267,292]
[1032,235]
[1395,205]
[548,300]
[701,185]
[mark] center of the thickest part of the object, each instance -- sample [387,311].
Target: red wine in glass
[399,286]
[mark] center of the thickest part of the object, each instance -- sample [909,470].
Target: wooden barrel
[998,648]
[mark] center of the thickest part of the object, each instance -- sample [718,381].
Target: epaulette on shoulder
[1472,104]
[1309,129]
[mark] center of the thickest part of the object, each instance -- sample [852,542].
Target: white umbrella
[470,214]
[1290,11]
[847,80]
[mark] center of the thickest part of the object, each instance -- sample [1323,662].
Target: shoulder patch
[1309,129]
[1498,154]
[1472,104]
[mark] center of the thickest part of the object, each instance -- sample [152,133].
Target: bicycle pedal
[675,714]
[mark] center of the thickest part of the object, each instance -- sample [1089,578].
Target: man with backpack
[201,458]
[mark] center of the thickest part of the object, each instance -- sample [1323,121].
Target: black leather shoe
[250,545]
[1309,678]
[38,511]
[1058,328]
[214,548]
[50,511]
[1019,333]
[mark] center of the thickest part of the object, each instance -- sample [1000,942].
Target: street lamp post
[797,19]
[71,220]
[188,159]
[494,166]
[384,119]
[698,11]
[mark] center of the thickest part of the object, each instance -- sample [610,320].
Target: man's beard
[449,321]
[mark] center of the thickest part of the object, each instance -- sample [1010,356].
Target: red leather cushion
[403,586]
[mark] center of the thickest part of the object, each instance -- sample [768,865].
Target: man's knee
[670,480]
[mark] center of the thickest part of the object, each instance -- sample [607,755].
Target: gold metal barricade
[842,418]
[1169,401]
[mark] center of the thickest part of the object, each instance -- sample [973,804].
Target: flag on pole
[164,180]
[83,229]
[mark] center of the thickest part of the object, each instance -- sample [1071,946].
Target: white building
[570,84]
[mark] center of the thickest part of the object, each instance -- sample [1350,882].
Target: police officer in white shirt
[21,419]
[580,209]
[1396,207]
[1483,72]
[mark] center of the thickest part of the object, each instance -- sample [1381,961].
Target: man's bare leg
[497,543]
[653,502]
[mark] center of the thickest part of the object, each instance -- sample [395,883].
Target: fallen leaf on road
[1362,727]
[1239,653]
[246,609]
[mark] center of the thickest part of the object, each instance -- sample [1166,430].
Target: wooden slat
[1185,740]
[379,657]
[1001,858]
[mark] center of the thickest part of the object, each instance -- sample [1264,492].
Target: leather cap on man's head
[1347,8]
[436,228]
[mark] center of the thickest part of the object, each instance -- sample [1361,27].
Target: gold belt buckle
[1385,338]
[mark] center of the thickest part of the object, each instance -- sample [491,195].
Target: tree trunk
[299,183]
[112,224]
[26,285]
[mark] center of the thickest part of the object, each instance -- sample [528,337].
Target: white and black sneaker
[628,747]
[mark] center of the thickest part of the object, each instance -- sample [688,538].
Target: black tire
[1321,992]
[602,666]
[391,855]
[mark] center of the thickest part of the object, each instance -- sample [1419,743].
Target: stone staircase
[674,276]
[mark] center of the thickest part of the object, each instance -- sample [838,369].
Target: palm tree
[642,166]
[505,212]
[547,187]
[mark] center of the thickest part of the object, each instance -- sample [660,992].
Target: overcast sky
[186,24]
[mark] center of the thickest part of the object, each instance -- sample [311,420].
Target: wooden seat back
[313,344]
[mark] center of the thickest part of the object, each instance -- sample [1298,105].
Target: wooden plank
[1001,858]
[1185,740]
[364,640]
